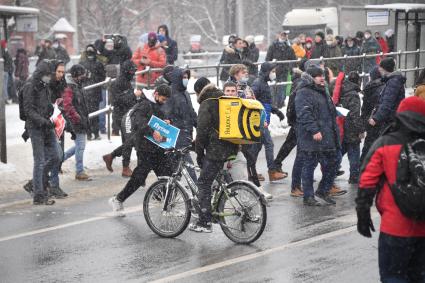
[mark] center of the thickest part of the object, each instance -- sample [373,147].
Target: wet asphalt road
[77,241]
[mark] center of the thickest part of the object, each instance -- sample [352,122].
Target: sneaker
[108,162]
[261,177]
[266,195]
[336,191]
[325,197]
[56,192]
[200,228]
[126,172]
[275,175]
[82,177]
[297,192]
[117,207]
[43,201]
[311,201]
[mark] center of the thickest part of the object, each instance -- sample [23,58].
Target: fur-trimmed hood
[209,91]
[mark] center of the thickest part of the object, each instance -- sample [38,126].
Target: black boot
[42,201]
[56,192]
[311,201]
[28,188]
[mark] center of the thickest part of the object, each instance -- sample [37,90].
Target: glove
[278,113]
[364,223]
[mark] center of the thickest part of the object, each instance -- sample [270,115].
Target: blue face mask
[244,80]
[185,82]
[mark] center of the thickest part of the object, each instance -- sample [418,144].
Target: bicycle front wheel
[172,221]
[242,213]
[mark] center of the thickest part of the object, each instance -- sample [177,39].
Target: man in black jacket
[122,93]
[211,151]
[280,50]
[232,54]
[61,53]
[95,74]
[150,156]
[37,108]
[390,97]
[179,110]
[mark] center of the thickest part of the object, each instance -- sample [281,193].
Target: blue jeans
[328,161]
[102,117]
[78,151]
[353,152]
[401,260]
[297,171]
[45,154]
[5,85]
[54,173]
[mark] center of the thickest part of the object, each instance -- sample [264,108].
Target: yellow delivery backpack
[241,120]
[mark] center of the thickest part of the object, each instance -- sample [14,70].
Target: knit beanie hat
[200,84]
[388,64]
[315,71]
[412,104]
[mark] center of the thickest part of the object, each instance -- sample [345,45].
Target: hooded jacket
[207,142]
[37,102]
[157,58]
[262,90]
[75,107]
[57,87]
[350,99]
[179,109]
[95,74]
[371,93]
[281,51]
[122,91]
[291,115]
[171,50]
[381,161]
[390,97]
[21,65]
[370,46]
[229,56]
[315,113]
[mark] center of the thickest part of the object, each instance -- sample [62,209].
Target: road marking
[102,216]
[248,257]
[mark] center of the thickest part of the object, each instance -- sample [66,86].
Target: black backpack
[21,91]
[409,188]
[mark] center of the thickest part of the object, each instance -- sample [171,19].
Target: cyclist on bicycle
[149,155]
[211,152]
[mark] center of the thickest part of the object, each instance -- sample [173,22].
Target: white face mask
[367,36]
[185,82]
[308,45]
[272,76]
[46,79]
[244,80]
[55,45]
[329,42]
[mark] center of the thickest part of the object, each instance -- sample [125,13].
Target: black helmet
[77,70]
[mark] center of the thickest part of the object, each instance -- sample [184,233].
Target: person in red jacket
[152,55]
[401,245]
[384,46]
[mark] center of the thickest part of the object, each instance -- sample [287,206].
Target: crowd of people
[321,131]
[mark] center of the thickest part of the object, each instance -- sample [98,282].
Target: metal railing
[217,68]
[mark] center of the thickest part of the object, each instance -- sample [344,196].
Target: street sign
[380,18]
[27,23]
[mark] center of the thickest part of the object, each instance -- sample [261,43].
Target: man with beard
[150,156]
[95,74]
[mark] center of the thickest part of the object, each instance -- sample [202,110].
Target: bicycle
[237,206]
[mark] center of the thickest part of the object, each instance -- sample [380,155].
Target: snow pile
[7,168]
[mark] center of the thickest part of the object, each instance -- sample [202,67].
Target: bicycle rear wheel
[242,213]
[174,220]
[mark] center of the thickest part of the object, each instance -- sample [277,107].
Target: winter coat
[390,97]
[350,99]
[179,109]
[298,50]
[315,113]
[262,90]
[320,50]
[37,101]
[381,161]
[171,50]
[62,54]
[383,44]
[291,115]
[157,56]
[21,66]
[8,61]
[207,142]
[57,88]
[371,93]
[46,53]
[370,46]
[253,55]
[281,51]
[75,107]
[353,64]
[95,74]
[143,112]
[122,92]
[229,56]
[334,65]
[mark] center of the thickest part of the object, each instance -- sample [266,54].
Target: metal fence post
[109,113]
[3,147]
[399,59]
[218,74]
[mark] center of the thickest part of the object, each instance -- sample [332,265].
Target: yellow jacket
[298,50]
